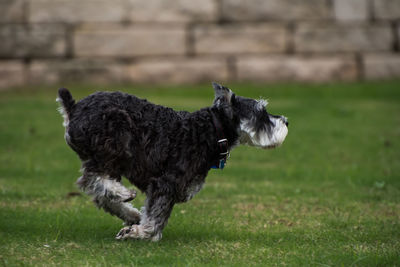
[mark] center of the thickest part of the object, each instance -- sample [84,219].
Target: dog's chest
[193,189]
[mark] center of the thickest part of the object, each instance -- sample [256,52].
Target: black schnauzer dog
[165,153]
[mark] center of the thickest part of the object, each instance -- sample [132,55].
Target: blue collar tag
[220,166]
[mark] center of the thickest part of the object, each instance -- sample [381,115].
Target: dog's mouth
[270,146]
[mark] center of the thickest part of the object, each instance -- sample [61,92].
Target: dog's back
[111,131]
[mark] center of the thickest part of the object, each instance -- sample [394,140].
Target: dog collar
[222,144]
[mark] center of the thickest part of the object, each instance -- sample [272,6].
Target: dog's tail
[66,104]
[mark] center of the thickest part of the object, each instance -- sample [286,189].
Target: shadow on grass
[91,225]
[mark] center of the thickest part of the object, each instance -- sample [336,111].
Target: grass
[330,196]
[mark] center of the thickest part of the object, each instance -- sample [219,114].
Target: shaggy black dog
[165,153]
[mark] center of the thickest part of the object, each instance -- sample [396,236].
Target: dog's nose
[285,120]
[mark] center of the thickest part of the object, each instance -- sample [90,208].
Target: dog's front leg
[158,208]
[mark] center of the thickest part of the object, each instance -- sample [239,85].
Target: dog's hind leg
[111,196]
[158,208]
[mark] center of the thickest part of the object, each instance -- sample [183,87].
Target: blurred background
[329,196]
[185,41]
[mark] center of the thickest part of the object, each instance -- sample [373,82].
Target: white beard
[262,139]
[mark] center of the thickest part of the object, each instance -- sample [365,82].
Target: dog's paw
[128,232]
[136,232]
[121,195]
[129,196]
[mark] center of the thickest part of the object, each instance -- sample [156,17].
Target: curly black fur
[121,135]
[165,153]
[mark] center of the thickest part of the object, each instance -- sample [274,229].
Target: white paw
[136,232]
[128,195]
[131,232]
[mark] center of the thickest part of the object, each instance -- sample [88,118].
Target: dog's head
[256,126]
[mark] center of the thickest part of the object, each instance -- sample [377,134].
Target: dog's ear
[222,94]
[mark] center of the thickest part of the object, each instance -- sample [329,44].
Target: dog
[164,153]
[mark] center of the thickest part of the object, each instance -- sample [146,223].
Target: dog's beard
[264,138]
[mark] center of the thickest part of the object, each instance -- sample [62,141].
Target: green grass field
[330,196]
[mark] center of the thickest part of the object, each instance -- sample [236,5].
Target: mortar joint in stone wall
[371,12]
[69,41]
[231,62]
[25,12]
[359,59]
[189,40]
[220,17]
[396,35]
[290,44]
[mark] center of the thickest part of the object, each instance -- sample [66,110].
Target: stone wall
[188,41]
